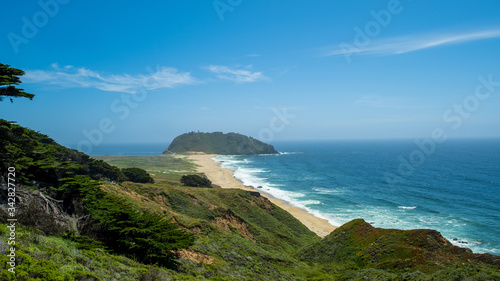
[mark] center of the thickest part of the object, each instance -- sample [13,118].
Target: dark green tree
[137,175]
[9,77]
[195,181]
[145,236]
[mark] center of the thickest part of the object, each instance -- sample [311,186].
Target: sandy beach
[224,178]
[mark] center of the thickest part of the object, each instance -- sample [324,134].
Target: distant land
[219,143]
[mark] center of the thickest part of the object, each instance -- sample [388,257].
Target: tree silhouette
[9,77]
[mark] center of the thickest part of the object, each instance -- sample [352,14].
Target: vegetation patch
[137,175]
[195,181]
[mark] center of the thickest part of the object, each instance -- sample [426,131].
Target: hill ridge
[359,242]
[219,143]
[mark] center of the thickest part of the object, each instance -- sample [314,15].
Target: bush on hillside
[195,181]
[137,175]
[144,236]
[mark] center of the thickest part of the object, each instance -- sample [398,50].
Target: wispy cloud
[71,77]
[406,44]
[236,75]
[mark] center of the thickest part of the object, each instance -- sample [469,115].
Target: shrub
[145,236]
[195,181]
[137,175]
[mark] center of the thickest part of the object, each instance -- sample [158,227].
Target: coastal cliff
[219,143]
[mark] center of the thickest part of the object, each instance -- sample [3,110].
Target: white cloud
[236,75]
[71,77]
[406,44]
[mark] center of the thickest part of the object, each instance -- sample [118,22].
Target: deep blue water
[453,187]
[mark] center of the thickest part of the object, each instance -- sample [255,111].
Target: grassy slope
[243,235]
[424,250]
[55,258]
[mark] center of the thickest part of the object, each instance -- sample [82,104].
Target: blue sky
[104,72]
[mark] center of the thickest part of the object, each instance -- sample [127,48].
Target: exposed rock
[195,256]
[230,219]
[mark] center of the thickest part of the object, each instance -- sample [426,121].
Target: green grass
[41,257]
[163,168]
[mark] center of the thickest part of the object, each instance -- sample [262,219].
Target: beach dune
[224,178]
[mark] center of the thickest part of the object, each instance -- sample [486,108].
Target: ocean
[452,187]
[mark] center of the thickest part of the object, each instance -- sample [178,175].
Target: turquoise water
[454,187]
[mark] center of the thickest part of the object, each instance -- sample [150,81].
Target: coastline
[224,178]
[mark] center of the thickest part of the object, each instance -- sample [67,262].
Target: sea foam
[407,208]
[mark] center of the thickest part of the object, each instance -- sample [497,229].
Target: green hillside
[59,191]
[80,219]
[219,143]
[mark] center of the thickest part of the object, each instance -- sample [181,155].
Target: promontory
[219,143]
